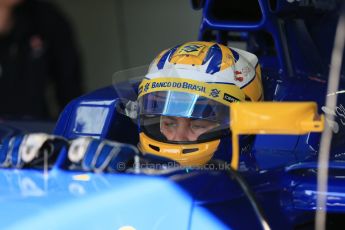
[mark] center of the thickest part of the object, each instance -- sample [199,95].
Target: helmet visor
[172,116]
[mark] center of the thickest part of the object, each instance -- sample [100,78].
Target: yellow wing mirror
[272,118]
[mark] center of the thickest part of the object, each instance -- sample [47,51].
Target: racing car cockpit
[237,131]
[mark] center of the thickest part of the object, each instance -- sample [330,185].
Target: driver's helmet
[184,99]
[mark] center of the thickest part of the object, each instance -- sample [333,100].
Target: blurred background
[119,34]
[52,51]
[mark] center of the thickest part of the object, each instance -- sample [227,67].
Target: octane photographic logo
[338,112]
[171,165]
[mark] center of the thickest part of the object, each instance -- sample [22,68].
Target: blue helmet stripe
[172,51]
[215,55]
[161,62]
[163,59]
[235,54]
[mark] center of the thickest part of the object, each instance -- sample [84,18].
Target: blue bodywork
[293,42]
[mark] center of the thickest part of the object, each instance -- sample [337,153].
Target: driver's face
[184,129]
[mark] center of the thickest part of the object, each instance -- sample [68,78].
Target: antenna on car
[326,138]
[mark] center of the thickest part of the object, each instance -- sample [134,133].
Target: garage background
[113,35]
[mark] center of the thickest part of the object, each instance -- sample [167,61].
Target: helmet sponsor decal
[191,49]
[246,70]
[214,92]
[223,93]
[168,84]
[230,98]
[147,86]
[238,76]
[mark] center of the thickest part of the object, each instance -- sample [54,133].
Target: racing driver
[184,100]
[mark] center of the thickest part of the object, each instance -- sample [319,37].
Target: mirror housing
[295,118]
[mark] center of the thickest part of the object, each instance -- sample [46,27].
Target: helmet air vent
[189,150]
[156,148]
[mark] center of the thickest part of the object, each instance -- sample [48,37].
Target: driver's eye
[169,124]
[202,125]
[196,126]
